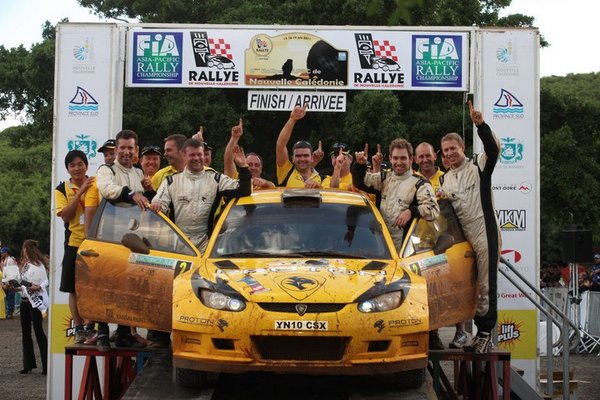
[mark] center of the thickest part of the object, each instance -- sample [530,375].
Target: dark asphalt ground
[33,386]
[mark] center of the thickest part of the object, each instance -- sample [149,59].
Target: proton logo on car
[299,286]
[379,325]
[301,309]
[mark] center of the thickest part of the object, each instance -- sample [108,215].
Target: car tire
[412,379]
[189,378]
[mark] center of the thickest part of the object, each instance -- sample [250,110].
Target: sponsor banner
[88,93]
[271,100]
[517,333]
[296,59]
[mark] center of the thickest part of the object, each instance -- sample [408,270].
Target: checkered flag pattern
[218,47]
[385,49]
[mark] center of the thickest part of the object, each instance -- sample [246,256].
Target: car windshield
[275,230]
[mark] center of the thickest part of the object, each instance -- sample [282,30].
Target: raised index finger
[320,147]
[241,123]
[378,148]
[366,150]
[470,107]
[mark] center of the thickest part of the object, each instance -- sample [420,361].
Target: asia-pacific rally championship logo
[157,57]
[437,60]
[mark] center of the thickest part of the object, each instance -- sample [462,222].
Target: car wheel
[189,378]
[412,379]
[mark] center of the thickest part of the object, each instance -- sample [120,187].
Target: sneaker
[128,341]
[435,343]
[460,339]
[102,342]
[79,335]
[92,338]
[482,343]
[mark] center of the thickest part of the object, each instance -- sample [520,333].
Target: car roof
[327,196]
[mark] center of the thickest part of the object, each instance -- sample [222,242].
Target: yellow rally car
[298,281]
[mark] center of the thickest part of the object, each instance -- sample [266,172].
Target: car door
[438,251]
[125,269]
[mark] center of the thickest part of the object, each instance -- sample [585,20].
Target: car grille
[300,348]
[311,308]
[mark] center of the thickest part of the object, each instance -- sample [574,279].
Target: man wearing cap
[108,150]
[150,163]
[174,155]
[253,160]
[10,270]
[299,172]
[341,160]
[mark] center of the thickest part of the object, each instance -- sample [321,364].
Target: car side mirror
[134,243]
[443,243]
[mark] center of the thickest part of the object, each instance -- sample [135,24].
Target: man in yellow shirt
[174,155]
[298,172]
[76,201]
[341,159]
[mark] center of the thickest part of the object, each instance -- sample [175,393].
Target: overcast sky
[566,25]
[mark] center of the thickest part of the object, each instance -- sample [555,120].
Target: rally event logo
[509,333]
[157,57]
[83,143]
[83,104]
[83,57]
[379,62]
[508,106]
[437,61]
[512,220]
[511,151]
[214,57]
[506,60]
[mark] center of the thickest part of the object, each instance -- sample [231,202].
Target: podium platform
[121,365]
[475,375]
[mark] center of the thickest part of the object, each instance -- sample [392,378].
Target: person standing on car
[468,187]
[196,192]
[425,157]
[76,201]
[404,195]
[122,182]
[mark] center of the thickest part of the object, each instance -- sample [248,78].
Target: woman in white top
[34,278]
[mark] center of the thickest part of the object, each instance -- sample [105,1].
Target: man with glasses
[298,172]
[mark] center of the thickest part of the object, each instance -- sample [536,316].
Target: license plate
[301,325]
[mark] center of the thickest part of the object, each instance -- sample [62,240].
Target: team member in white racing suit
[404,195]
[468,187]
[196,192]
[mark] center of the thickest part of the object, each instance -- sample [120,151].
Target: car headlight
[383,302]
[221,301]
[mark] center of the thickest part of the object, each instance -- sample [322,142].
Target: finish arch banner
[360,59]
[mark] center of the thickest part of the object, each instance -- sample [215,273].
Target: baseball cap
[207,146]
[5,250]
[151,149]
[596,256]
[335,148]
[109,144]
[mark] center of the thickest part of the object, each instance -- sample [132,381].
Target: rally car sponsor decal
[431,266]
[154,261]
[401,323]
[287,325]
[255,286]
[299,286]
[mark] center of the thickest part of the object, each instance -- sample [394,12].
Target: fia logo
[436,48]
[157,45]
[83,143]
